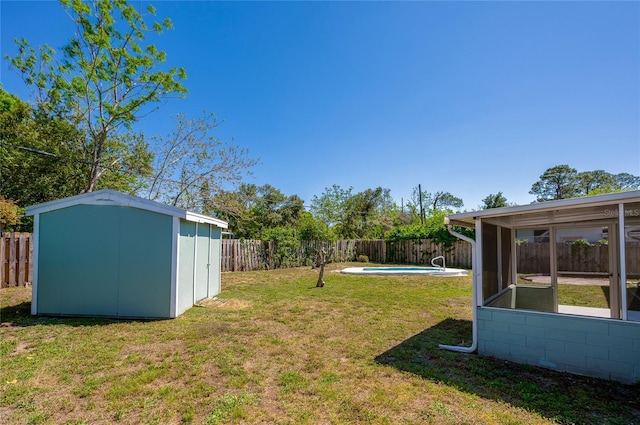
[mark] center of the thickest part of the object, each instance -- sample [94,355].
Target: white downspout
[474,342]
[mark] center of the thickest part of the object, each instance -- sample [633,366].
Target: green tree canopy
[626,181]
[562,181]
[251,210]
[601,181]
[38,160]
[42,157]
[445,200]
[559,182]
[366,214]
[311,228]
[103,79]
[494,201]
[330,206]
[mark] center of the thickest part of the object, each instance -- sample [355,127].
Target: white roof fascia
[586,201]
[199,218]
[111,197]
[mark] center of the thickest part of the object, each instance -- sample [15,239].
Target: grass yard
[276,350]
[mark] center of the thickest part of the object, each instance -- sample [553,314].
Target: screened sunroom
[557,284]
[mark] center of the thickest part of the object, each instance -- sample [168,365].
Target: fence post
[3,256]
[12,259]
[22,259]
[235,254]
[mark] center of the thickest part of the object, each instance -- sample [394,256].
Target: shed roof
[111,197]
[574,210]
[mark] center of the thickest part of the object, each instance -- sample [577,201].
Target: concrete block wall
[602,348]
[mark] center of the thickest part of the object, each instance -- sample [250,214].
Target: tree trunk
[320,283]
[96,164]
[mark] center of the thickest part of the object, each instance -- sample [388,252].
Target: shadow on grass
[561,397]
[19,315]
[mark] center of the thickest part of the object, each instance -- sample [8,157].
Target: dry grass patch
[226,304]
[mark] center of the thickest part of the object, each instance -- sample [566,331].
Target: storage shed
[556,284]
[109,254]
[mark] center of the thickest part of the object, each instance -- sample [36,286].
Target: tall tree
[105,79]
[419,202]
[191,165]
[443,200]
[432,202]
[368,214]
[559,182]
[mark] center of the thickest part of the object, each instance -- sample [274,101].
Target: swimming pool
[394,271]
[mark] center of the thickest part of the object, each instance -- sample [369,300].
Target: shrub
[285,253]
[581,242]
[10,213]
[363,258]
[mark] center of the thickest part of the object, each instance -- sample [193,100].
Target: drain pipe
[474,325]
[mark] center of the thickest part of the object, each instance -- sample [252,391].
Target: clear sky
[466,97]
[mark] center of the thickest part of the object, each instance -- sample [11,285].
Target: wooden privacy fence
[244,255]
[251,254]
[534,258]
[457,254]
[16,255]
[531,257]
[16,258]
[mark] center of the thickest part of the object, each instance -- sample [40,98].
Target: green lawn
[363,349]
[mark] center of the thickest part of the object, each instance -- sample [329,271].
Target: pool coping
[386,271]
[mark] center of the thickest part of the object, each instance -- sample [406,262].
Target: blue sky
[466,97]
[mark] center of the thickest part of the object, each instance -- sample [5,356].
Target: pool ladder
[433,263]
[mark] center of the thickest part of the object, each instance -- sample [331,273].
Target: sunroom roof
[576,210]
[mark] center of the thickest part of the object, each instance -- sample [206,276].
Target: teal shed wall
[215,269]
[199,250]
[203,252]
[186,252]
[101,260]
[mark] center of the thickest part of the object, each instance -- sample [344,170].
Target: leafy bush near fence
[285,247]
[433,229]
